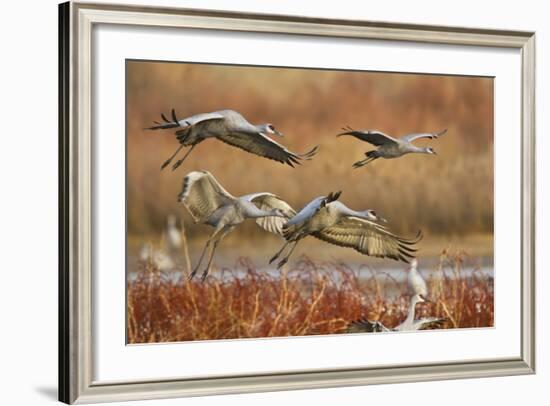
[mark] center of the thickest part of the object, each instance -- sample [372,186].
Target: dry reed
[306,299]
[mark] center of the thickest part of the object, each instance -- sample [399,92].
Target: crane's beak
[278,133]
[382,219]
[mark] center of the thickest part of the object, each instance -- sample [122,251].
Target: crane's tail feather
[166,124]
[309,154]
[331,197]
[347,131]
[442,132]
[294,159]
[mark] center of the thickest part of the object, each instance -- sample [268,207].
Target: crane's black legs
[285,259]
[226,230]
[287,256]
[167,162]
[213,241]
[179,162]
[206,246]
[274,257]
[371,156]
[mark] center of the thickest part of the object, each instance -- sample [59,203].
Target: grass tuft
[306,298]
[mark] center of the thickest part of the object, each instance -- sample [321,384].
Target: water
[384,273]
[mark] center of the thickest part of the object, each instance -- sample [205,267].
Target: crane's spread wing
[269,201]
[430,322]
[175,122]
[373,137]
[202,195]
[412,137]
[259,144]
[370,239]
[366,326]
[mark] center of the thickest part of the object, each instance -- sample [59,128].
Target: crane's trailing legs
[169,160]
[211,246]
[287,256]
[370,156]
[226,231]
[278,253]
[206,246]
[180,161]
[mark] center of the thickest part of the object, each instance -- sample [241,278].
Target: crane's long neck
[347,212]
[420,150]
[251,211]
[412,310]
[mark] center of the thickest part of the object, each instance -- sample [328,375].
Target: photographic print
[282,201]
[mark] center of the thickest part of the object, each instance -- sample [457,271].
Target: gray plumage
[173,237]
[232,128]
[389,147]
[366,326]
[330,220]
[419,293]
[416,282]
[412,324]
[409,324]
[209,203]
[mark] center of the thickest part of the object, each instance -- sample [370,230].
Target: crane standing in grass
[416,282]
[419,290]
[209,203]
[173,237]
[232,128]
[330,220]
[389,147]
[412,324]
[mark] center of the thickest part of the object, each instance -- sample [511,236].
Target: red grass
[309,298]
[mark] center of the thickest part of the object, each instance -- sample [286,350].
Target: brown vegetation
[450,194]
[306,299]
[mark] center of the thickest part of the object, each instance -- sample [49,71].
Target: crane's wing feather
[373,137]
[175,122]
[366,326]
[412,137]
[430,322]
[202,195]
[199,118]
[370,239]
[259,144]
[269,201]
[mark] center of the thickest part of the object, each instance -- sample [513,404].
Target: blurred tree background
[447,196]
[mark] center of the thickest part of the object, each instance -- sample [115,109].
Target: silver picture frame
[76,22]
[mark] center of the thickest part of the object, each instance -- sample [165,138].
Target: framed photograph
[263,202]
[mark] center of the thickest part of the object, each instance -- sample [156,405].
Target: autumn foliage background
[324,287]
[448,196]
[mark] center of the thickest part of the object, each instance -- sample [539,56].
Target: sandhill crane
[232,128]
[158,257]
[209,203]
[419,291]
[409,324]
[416,282]
[330,220]
[366,326]
[173,236]
[389,147]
